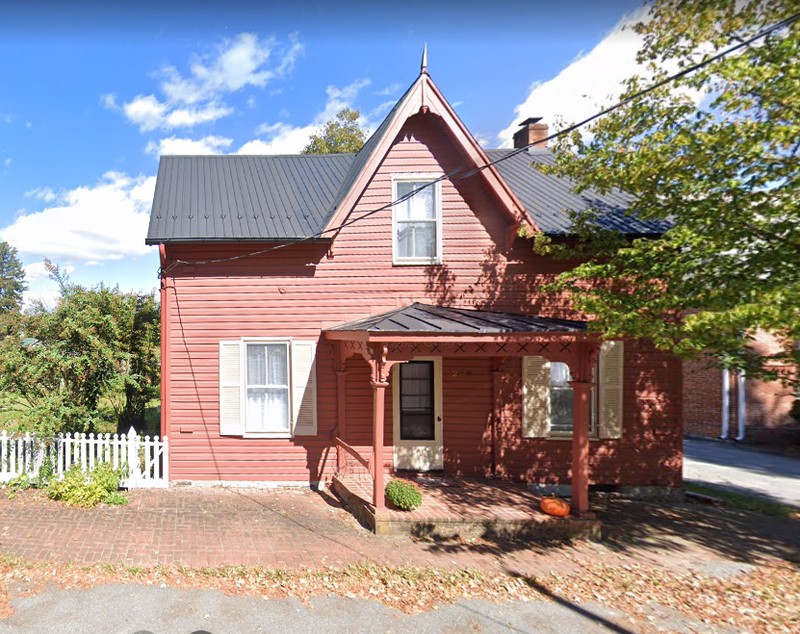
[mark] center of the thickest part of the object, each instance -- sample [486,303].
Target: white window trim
[243,391]
[302,406]
[437,202]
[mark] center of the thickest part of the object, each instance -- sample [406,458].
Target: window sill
[416,262]
[267,434]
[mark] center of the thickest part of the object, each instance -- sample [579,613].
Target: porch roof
[426,319]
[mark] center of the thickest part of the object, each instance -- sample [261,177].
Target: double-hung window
[417,220]
[267,388]
[547,396]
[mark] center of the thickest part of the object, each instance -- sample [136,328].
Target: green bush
[404,494]
[79,489]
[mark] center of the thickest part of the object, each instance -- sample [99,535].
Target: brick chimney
[530,132]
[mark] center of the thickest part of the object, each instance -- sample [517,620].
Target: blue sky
[90,95]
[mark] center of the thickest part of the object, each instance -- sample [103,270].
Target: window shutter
[230,389]
[304,388]
[612,361]
[535,397]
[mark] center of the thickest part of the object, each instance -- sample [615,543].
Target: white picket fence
[146,459]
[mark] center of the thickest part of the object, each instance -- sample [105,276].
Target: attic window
[417,220]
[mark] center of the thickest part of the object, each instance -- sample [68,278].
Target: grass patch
[745,502]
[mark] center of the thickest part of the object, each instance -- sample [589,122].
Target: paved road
[149,610]
[743,469]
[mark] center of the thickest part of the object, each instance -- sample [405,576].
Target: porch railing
[343,451]
[145,461]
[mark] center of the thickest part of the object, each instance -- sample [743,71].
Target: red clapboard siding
[298,291]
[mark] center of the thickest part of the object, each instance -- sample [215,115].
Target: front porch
[462,507]
[424,334]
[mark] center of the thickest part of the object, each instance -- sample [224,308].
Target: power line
[686,71]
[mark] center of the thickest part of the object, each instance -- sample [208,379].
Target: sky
[91,94]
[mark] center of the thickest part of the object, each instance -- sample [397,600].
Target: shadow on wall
[507,281]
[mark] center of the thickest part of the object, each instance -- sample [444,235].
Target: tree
[725,175]
[339,135]
[95,344]
[12,279]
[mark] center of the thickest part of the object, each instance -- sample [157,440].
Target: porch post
[341,411]
[496,364]
[581,393]
[378,394]
[585,357]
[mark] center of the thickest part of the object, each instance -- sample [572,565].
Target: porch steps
[464,508]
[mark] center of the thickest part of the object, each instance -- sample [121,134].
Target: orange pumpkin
[555,507]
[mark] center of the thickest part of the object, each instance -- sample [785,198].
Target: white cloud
[42,193]
[174,145]
[104,221]
[7,162]
[36,271]
[146,111]
[189,100]
[589,82]
[284,138]
[390,90]
[109,100]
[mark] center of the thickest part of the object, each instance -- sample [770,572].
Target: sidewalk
[743,469]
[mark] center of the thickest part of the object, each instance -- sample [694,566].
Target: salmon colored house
[378,309]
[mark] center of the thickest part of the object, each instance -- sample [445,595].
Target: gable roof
[422,96]
[425,318]
[298,197]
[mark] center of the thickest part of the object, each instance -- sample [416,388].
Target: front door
[417,388]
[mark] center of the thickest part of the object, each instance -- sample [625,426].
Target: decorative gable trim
[423,96]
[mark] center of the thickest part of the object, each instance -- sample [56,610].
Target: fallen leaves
[761,600]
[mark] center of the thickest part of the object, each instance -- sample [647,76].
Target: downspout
[741,409]
[726,403]
[162,251]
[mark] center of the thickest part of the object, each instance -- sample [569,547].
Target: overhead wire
[472,172]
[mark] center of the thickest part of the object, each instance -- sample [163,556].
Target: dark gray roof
[549,198]
[424,318]
[244,197]
[262,198]
[366,152]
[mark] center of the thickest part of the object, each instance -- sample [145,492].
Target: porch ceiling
[428,321]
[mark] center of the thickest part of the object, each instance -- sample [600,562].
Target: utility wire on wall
[472,172]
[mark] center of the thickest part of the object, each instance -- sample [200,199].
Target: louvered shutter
[535,397]
[612,361]
[304,388]
[231,421]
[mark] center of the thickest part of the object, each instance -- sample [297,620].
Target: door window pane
[416,401]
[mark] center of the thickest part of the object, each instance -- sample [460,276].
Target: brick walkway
[289,528]
[299,528]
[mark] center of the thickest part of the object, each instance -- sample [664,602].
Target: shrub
[404,494]
[79,489]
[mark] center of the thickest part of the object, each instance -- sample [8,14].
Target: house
[730,406]
[379,309]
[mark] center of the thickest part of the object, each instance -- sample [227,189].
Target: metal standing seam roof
[292,197]
[425,318]
[244,197]
[548,199]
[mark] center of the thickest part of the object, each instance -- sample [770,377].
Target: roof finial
[423,67]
